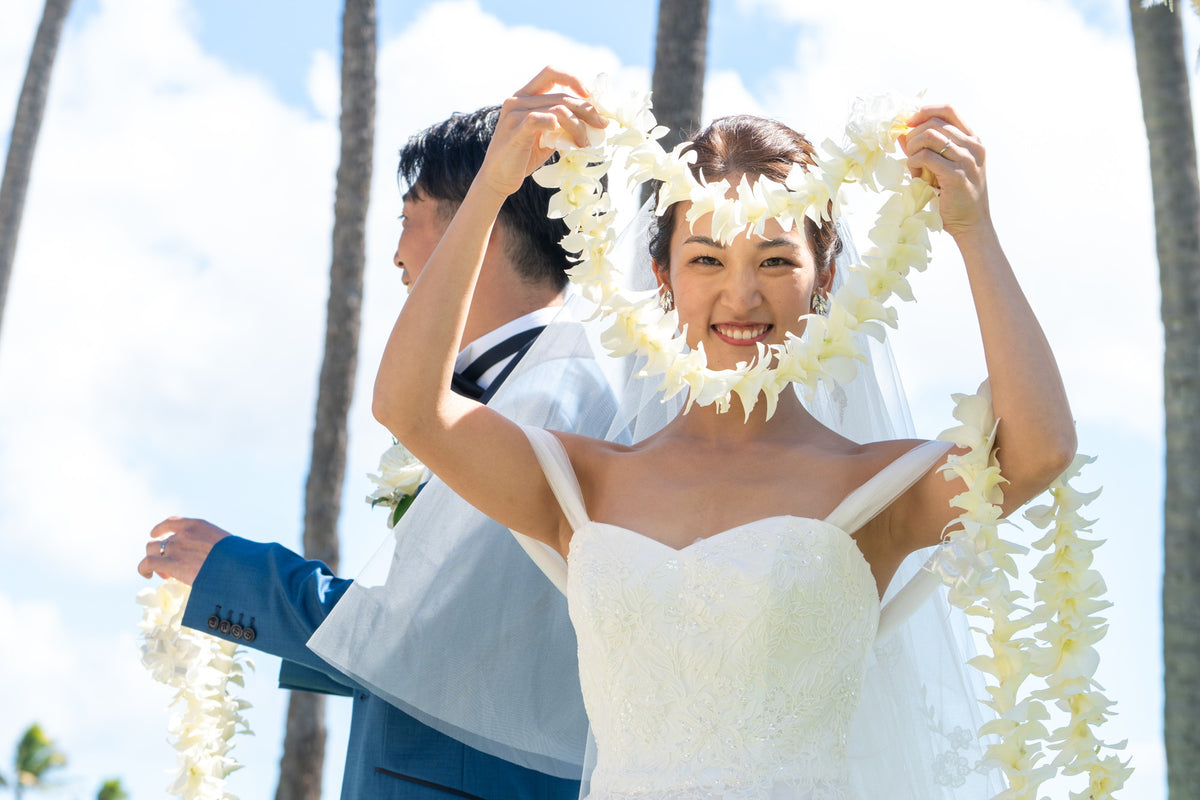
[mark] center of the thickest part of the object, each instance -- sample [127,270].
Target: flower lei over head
[975,562]
[827,351]
[200,668]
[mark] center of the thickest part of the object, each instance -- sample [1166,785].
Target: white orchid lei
[400,475]
[975,562]
[1054,640]
[201,668]
[828,350]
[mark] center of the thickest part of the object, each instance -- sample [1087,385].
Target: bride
[724,574]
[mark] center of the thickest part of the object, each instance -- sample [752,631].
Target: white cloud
[169,285]
[159,354]
[725,93]
[324,85]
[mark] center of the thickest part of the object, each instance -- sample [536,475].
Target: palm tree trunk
[677,85]
[304,744]
[1166,107]
[680,51]
[26,125]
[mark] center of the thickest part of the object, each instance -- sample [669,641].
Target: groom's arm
[266,586]
[257,594]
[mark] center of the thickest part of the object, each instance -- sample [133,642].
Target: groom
[275,599]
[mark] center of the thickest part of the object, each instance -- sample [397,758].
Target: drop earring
[666,300]
[820,304]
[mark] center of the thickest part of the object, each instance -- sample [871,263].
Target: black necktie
[460,385]
[466,382]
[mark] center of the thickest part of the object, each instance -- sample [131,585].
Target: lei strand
[1054,641]
[1071,590]
[201,668]
[975,562]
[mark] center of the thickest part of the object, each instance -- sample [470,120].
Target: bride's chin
[730,358]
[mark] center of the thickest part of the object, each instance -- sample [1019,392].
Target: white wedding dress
[730,668]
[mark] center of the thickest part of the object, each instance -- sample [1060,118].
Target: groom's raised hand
[178,547]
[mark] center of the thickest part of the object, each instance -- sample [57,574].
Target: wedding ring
[162,547]
[945,147]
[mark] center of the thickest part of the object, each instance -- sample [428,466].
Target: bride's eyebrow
[766,244]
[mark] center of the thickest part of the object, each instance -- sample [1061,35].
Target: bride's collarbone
[678,495]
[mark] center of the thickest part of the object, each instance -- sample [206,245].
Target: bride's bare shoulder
[851,463]
[886,452]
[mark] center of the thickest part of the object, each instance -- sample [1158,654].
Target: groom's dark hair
[440,162]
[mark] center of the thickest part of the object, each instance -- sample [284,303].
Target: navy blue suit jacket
[284,598]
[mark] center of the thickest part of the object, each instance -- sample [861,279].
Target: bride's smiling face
[731,297]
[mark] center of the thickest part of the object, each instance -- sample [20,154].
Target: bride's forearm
[1036,438]
[412,384]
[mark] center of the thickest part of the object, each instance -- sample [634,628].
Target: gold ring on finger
[945,147]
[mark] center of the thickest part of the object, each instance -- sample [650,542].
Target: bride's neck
[705,422]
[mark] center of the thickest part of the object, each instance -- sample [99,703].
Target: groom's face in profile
[425,221]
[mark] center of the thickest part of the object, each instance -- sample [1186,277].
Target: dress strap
[881,490]
[559,473]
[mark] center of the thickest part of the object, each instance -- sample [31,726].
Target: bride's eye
[708,261]
[776,261]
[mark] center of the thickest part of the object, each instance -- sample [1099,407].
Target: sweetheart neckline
[862,559]
[700,540]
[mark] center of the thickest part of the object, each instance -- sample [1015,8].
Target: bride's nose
[742,290]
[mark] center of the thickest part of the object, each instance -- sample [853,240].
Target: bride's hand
[941,145]
[531,122]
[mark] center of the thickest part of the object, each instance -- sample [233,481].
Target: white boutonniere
[400,476]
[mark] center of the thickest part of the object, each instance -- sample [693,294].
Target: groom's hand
[178,547]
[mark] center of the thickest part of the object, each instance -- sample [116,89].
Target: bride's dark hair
[752,146]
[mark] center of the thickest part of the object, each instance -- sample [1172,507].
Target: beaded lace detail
[730,668]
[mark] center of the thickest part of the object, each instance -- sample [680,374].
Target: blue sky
[164,323]
[253,37]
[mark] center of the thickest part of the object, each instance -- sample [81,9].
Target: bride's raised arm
[1035,439]
[479,453]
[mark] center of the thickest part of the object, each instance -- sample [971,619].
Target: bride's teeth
[742,334]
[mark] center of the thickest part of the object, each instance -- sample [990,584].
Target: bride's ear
[825,282]
[661,275]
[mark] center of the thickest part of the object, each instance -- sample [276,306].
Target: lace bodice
[729,668]
[710,669]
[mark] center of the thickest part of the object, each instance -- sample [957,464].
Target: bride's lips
[742,334]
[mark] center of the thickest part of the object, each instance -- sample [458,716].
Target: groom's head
[437,166]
